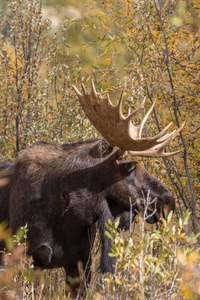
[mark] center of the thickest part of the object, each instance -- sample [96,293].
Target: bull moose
[64,192]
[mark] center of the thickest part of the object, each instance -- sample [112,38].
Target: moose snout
[160,208]
[169,205]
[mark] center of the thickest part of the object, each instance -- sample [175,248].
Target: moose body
[61,191]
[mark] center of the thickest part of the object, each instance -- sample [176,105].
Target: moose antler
[119,130]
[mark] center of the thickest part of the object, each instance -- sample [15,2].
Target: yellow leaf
[118,281]
[154,33]
[88,30]
[106,50]
[87,79]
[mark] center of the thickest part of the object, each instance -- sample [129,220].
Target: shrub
[153,265]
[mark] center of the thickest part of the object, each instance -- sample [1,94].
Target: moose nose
[169,205]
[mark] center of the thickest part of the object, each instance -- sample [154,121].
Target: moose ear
[101,149]
[64,203]
[105,148]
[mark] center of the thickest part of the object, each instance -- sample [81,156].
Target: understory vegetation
[161,264]
[150,47]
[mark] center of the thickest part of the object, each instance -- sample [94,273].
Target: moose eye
[130,166]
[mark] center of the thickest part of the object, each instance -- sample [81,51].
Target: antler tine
[158,150]
[84,89]
[145,119]
[129,111]
[171,136]
[119,104]
[159,137]
[167,154]
[76,91]
[155,153]
[108,100]
[93,88]
[166,136]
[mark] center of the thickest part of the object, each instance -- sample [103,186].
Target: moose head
[125,140]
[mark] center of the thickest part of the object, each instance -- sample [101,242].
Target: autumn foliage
[150,47]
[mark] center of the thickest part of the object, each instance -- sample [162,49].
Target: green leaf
[116,223]
[108,227]
[94,67]
[108,234]
[169,217]
[112,254]
[161,274]
[110,222]
[130,242]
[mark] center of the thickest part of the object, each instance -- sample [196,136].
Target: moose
[65,192]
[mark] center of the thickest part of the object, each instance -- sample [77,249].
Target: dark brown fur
[61,191]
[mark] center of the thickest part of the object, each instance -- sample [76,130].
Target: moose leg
[106,263]
[78,274]
[77,278]
[72,280]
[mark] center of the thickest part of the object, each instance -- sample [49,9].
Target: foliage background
[150,47]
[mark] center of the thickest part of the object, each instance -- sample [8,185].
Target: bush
[153,265]
[163,264]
